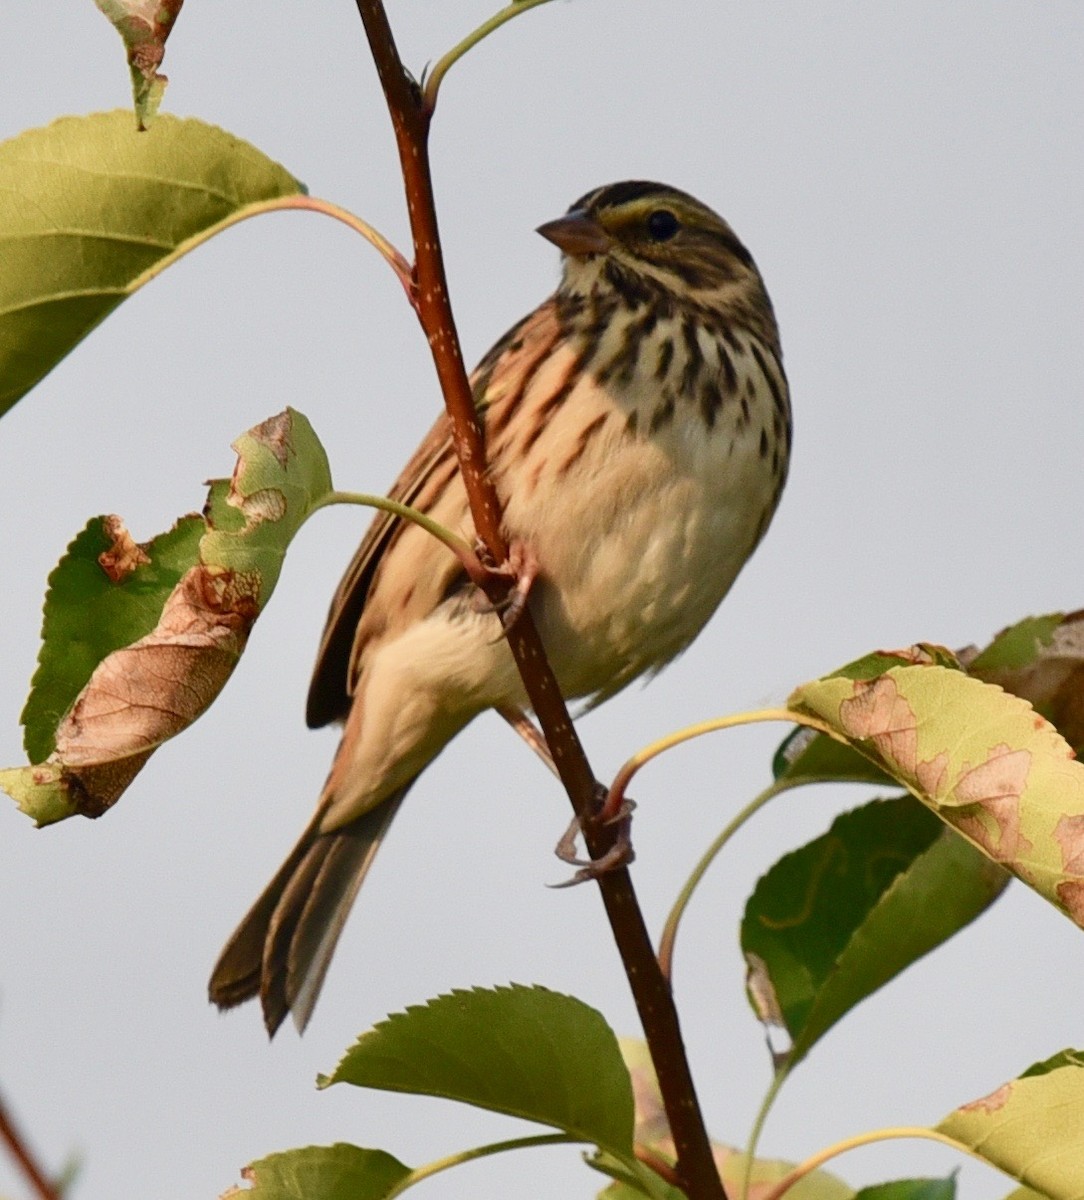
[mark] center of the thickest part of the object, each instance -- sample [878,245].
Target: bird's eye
[662,225]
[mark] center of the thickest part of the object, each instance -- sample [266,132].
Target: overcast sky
[910,179]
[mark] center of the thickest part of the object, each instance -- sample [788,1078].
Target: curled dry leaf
[123,555]
[132,697]
[144,26]
[144,694]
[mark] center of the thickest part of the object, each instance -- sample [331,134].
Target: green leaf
[833,921]
[911,1189]
[1031,1128]
[631,1186]
[525,1051]
[90,210]
[144,26]
[139,640]
[339,1172]
[982,759]
[806,756]
[1018,646]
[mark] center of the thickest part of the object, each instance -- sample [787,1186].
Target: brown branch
[44,1188]
[654,1001]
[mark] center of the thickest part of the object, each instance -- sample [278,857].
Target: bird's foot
[617,857]
[520,566]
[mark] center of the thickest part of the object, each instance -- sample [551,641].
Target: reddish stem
[410,118]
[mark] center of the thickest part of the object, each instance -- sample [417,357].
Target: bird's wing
[330,691]
[429,482]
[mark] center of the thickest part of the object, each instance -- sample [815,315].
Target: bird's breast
[642,493]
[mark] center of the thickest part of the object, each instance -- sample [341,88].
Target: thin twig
[410,120]
[44,1188]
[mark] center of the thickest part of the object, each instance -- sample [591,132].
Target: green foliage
[144,26]
[88,615]
[910,1189]
[837,919]
[138,639]
[979,758]
[91,210]
[338,1172]
[528,1052]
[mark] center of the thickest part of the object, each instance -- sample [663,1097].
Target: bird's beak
[577,233]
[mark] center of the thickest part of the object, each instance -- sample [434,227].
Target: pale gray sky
[910,179]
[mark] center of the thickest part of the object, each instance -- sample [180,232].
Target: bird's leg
[620,853]
[531,734]
[521,566]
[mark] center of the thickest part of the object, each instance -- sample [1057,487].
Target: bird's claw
[522,566]
[619,855]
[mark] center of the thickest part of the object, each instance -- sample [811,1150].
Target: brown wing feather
[499,383]
[329,692]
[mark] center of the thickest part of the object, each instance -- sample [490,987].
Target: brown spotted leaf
[1031,1128]
[984,760]
[139,640]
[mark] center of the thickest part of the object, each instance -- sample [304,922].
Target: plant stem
[410,120]
[852,1143]
[778,1079]
[447,61]
[458,546]
[453,1160]
[673,920]
[44,1189]
[641,758]
[296,203]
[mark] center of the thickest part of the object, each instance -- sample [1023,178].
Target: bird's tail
[281,950]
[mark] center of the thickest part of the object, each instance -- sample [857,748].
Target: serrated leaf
[339,1172]
[1041,659]
[983,760]
[910,1189]
[524,1051]
[835,920]
[144,26]
[90,209]
[139,640]
[1031,1128]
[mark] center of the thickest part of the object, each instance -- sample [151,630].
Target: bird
[637,427]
